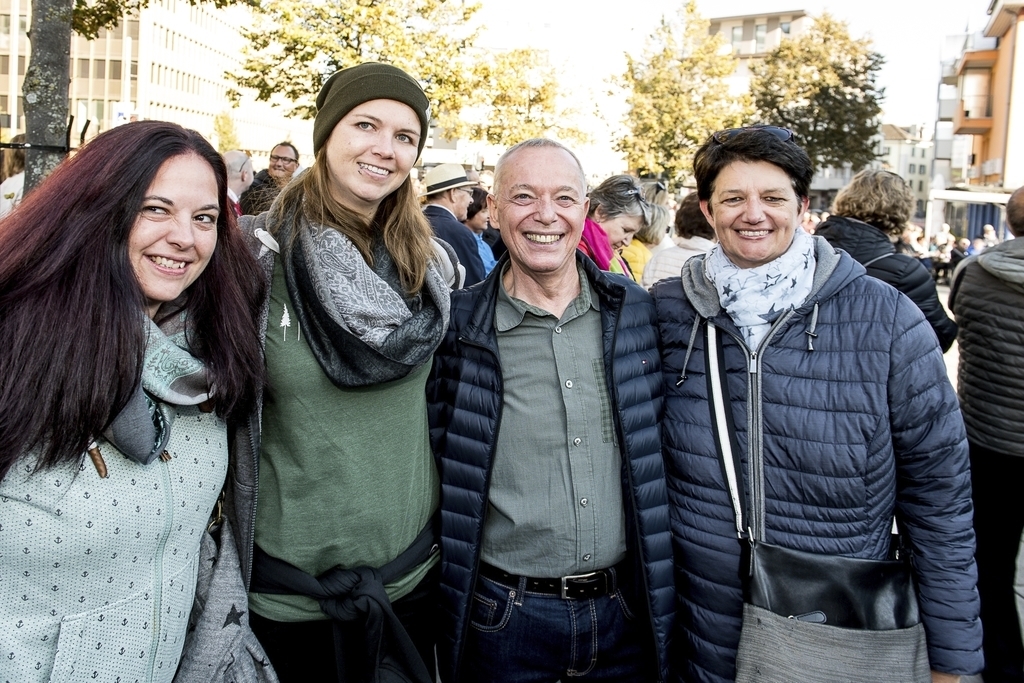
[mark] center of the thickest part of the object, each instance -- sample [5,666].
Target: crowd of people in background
[461,426]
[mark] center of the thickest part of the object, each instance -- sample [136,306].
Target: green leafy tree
[48,73]
[516,95]
[821,85]
[295,45]
[678,96]
[224,130]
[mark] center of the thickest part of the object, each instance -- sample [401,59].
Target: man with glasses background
[448,196]
[284,161]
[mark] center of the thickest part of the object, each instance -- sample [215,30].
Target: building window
[5,65]
[913,152]
[133,29]
[21,65]
[99,68]
[760,31]
[920,186]
[737,38]
[115,69]
[82,70]
[784,27]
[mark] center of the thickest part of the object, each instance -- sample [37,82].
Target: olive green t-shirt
[346,475]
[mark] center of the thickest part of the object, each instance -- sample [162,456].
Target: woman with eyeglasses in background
[868,217]
[617,210]
[839,396]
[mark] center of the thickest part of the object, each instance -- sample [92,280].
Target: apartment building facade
[752,36]
[167,63]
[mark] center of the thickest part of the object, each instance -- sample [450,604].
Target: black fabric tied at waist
[357,603]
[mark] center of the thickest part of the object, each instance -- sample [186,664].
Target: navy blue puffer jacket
[848,401]
[465,399]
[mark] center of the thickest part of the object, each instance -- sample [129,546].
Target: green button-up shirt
[555,499]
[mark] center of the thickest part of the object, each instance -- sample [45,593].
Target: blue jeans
[520,637]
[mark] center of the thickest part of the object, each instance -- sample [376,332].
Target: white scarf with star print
[755,297]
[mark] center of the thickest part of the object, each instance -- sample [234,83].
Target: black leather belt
[578,586]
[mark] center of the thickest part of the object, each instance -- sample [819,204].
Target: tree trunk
[46,88]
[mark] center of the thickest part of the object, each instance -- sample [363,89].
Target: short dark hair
[286,144]
[751,144]
[478,204]
[691,221]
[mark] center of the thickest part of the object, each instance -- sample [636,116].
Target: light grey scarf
[755,297]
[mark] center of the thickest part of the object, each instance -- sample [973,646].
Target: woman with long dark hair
[127,299]
[335,477]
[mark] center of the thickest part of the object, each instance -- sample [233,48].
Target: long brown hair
[71,327]
[399,220]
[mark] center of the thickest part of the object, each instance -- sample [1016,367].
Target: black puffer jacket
[260,195]
[866,243]
[987,297]
[464,396]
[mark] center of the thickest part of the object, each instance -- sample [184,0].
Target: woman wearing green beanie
[337,554]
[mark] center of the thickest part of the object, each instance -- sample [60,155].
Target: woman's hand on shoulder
[939,677]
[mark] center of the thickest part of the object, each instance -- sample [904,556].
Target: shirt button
[558,330]
[568,384]
[577,441]
[583,502]
[586,558]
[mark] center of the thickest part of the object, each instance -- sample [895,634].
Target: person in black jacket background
[867,215]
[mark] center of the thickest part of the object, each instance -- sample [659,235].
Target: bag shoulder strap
[722,425]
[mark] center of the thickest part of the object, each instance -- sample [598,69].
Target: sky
[587,40]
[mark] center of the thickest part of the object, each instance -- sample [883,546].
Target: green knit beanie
[348,88]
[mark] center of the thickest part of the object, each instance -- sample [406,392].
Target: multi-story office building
[168,63]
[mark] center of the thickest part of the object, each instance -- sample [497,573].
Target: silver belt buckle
[567,579]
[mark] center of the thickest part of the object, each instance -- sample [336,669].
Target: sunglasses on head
[723,136]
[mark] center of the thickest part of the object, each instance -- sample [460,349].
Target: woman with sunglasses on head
[868,218]
[128,302]
[617,210]
[842,416]
[334,488]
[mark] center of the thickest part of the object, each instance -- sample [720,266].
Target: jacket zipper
[755,445]
[158,581]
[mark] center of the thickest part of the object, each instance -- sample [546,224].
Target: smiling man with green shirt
[544,408]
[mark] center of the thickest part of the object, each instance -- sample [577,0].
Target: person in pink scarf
[617,210]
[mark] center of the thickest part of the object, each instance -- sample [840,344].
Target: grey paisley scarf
[755,297]
[363,328]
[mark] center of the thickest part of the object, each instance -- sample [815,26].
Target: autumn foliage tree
[678,96]
[515,94]
[295,45]
[821,85]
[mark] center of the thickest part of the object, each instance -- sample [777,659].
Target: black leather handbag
[809,617]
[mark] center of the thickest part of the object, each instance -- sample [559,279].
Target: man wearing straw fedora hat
[448,195]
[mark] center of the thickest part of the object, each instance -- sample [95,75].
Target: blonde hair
[399,220]
[656,227]
[880,198]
